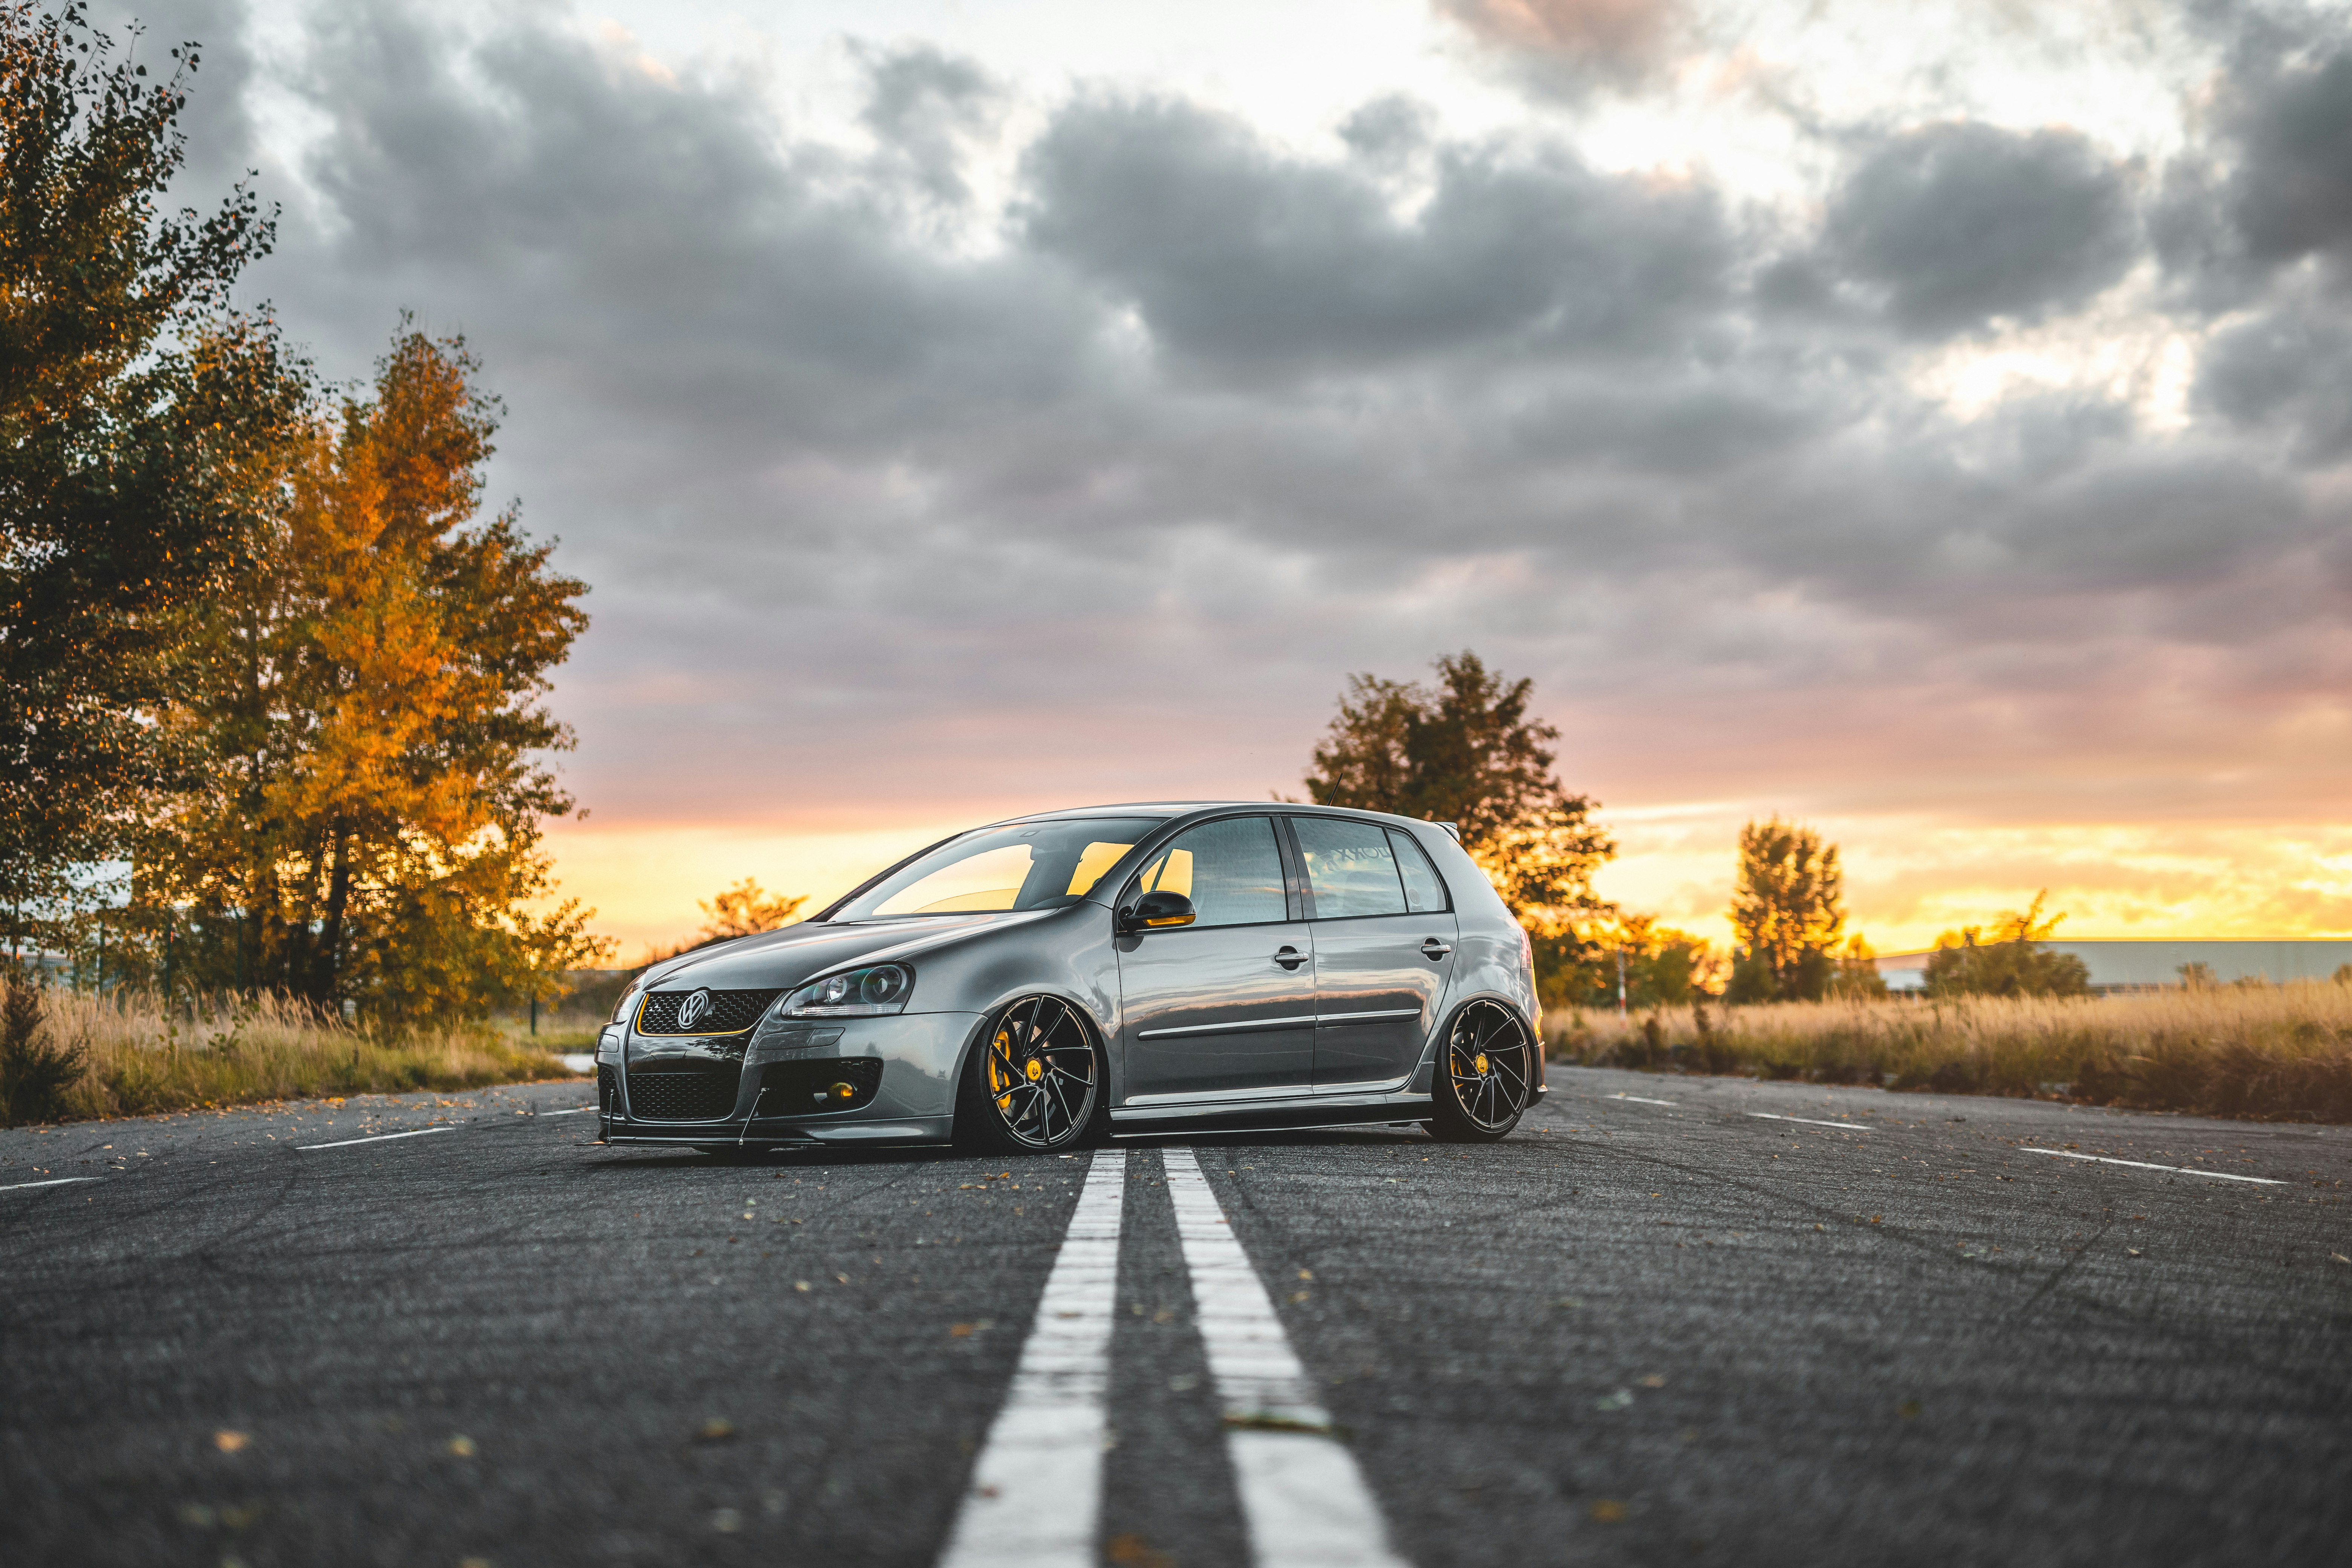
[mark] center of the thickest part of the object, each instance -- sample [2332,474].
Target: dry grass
[240,1050]
[2278,1052]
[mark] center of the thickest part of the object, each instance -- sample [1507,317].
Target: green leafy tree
[2006,959]
[1857,973]
[369,830]
[1787,909]
[1464,750]
[129,402]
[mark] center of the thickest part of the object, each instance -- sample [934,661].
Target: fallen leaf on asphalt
[1262,1421]
[1654,1381]
[473,1563]
[800,1284]
[718,1429]
[462,1448]
[229,1442]
[1306,1274]
[1299,1296]
[2340,1257]
[1908,1409]
[959,1332]
[1609,1510]
[1134,1552]
[2131,1251]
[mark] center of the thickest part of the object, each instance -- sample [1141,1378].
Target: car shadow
[827,1157]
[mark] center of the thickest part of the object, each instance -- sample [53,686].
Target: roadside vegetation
[69,1056]
[2282,1052]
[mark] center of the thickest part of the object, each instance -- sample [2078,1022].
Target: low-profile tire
[1485,1078]
[1033,1083]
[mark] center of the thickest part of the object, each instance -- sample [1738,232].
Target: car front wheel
[1033,1085]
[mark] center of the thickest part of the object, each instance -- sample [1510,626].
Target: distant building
[2144,965]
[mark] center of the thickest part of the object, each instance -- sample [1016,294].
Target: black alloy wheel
[1033,1085]
[1485,1075]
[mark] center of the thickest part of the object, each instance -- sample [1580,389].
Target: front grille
[608,1086]
[731,1012]
[798,1089]
[696,1094]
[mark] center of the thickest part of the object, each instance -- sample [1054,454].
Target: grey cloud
[2291,194]
[2288,369]
[888,513]
[1239,256]
[928,105]
[1959,223]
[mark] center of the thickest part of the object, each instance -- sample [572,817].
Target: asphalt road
[1635,1332]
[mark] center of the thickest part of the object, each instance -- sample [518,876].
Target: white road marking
[1037,1490]
[2143,1165]
[1304,1499]
[578,1062]
[52,1182]
[573,1111]
[1809,1121]
[348,1143]
[1640,1100]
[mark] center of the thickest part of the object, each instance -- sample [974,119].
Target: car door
[1384,940]
[1224,1008]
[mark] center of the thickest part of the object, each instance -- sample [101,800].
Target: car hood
[798,953]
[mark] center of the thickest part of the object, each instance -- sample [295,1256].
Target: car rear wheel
[1033,1085]
[1484,1075]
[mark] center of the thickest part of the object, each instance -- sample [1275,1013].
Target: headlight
[855,993]
[628,1001]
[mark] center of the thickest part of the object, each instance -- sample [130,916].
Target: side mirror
[1157,912]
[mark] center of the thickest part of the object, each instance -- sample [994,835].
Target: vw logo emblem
[691,1011]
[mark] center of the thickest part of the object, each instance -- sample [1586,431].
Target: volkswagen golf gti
[1043,983]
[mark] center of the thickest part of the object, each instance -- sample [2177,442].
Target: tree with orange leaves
[369,834]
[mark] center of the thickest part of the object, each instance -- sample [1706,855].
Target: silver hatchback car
[1045,983]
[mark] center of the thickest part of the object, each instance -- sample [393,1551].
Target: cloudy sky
[1932,421]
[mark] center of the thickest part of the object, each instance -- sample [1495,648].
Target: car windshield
[1028,865]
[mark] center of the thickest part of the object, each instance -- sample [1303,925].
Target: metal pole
[1621,982]
[534,1014]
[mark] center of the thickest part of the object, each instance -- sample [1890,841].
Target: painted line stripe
[1303,1498]
[2143,1165]
[573,1111]
[1809,1121]
[52,1182]
[1037,1490]
[1640,1099]
[381,1137]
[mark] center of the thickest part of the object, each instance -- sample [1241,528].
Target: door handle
[1434,950]
[1290,957]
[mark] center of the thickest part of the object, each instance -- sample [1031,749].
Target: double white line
[1036,1493]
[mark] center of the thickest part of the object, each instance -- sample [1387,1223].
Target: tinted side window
[1230,869]
[1349,867]
[1424,894]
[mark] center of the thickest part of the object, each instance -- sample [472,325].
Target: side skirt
[1283,1116]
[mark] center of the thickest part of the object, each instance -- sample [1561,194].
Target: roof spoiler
[1455,829]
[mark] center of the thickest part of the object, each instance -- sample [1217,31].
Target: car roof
[1175,808]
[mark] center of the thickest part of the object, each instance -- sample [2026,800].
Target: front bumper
[914,1057]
